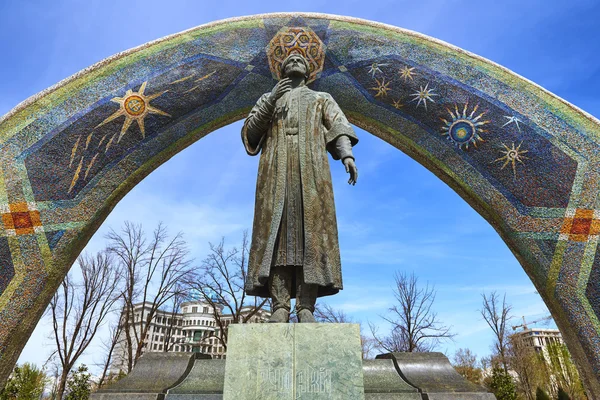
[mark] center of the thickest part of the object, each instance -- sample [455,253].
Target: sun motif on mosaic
[512,155]
[300,40]
[407,73]
[462,129]
[397,104]
[423,95]
[135,106]
[382,88]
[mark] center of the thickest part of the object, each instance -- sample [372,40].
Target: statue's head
[295,64]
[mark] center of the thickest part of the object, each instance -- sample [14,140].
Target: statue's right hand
[282,87]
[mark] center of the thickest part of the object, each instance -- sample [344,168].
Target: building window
[205,310]
[184,309]
[194,309]
[154,346]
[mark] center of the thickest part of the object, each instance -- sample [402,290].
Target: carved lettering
[313,380]
[274,379]
[308,380]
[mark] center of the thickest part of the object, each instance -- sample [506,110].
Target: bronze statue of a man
[295,251]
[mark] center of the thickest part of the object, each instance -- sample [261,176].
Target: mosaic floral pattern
[523,158]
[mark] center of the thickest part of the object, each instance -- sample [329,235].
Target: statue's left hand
[351,168]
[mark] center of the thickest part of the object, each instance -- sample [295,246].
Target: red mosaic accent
[21,220]
[580,226]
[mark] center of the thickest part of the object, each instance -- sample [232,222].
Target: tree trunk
[127,329]
[62,383]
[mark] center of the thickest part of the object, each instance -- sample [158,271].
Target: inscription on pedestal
[274,379]
[313,380]
[306,381]
[294,362]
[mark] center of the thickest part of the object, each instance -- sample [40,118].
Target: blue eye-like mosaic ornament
[463,130]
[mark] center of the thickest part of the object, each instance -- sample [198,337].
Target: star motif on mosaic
[374,69]
[407,73]
[302,40]
[512,155]
[381,88]
[462,129]
[397,104]
[512,120]
[135,106]
[423,95]
[580,225]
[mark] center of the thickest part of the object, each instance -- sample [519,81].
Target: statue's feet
[281,315]
[305,315]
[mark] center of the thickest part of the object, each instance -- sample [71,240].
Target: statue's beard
[295,72]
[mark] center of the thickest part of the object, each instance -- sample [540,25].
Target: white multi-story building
[539,338]
[194,329]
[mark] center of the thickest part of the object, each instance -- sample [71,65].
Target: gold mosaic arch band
[522,157]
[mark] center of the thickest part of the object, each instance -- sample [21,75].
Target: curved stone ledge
[435,377]
[152,376]
[382,382]
[204,382]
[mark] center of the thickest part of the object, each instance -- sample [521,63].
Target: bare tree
[497,316]
[415,326]
[326,313]
[154,270]
[173,322]
[115,330]
[220,282]
[79,309]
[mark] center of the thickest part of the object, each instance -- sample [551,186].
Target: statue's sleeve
[257,124]
[339,134]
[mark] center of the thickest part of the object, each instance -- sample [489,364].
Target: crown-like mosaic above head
[296,40]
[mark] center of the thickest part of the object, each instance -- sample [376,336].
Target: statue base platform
[294,362]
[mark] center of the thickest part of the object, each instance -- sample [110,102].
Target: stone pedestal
[294,362]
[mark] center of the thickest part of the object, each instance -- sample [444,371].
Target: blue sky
[399,217]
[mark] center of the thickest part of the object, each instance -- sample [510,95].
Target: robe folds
[321,128]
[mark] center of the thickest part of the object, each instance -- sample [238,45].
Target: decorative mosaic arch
[526,160]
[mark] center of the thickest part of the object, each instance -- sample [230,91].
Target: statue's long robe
[321,125]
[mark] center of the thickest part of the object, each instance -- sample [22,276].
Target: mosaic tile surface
[523,158]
